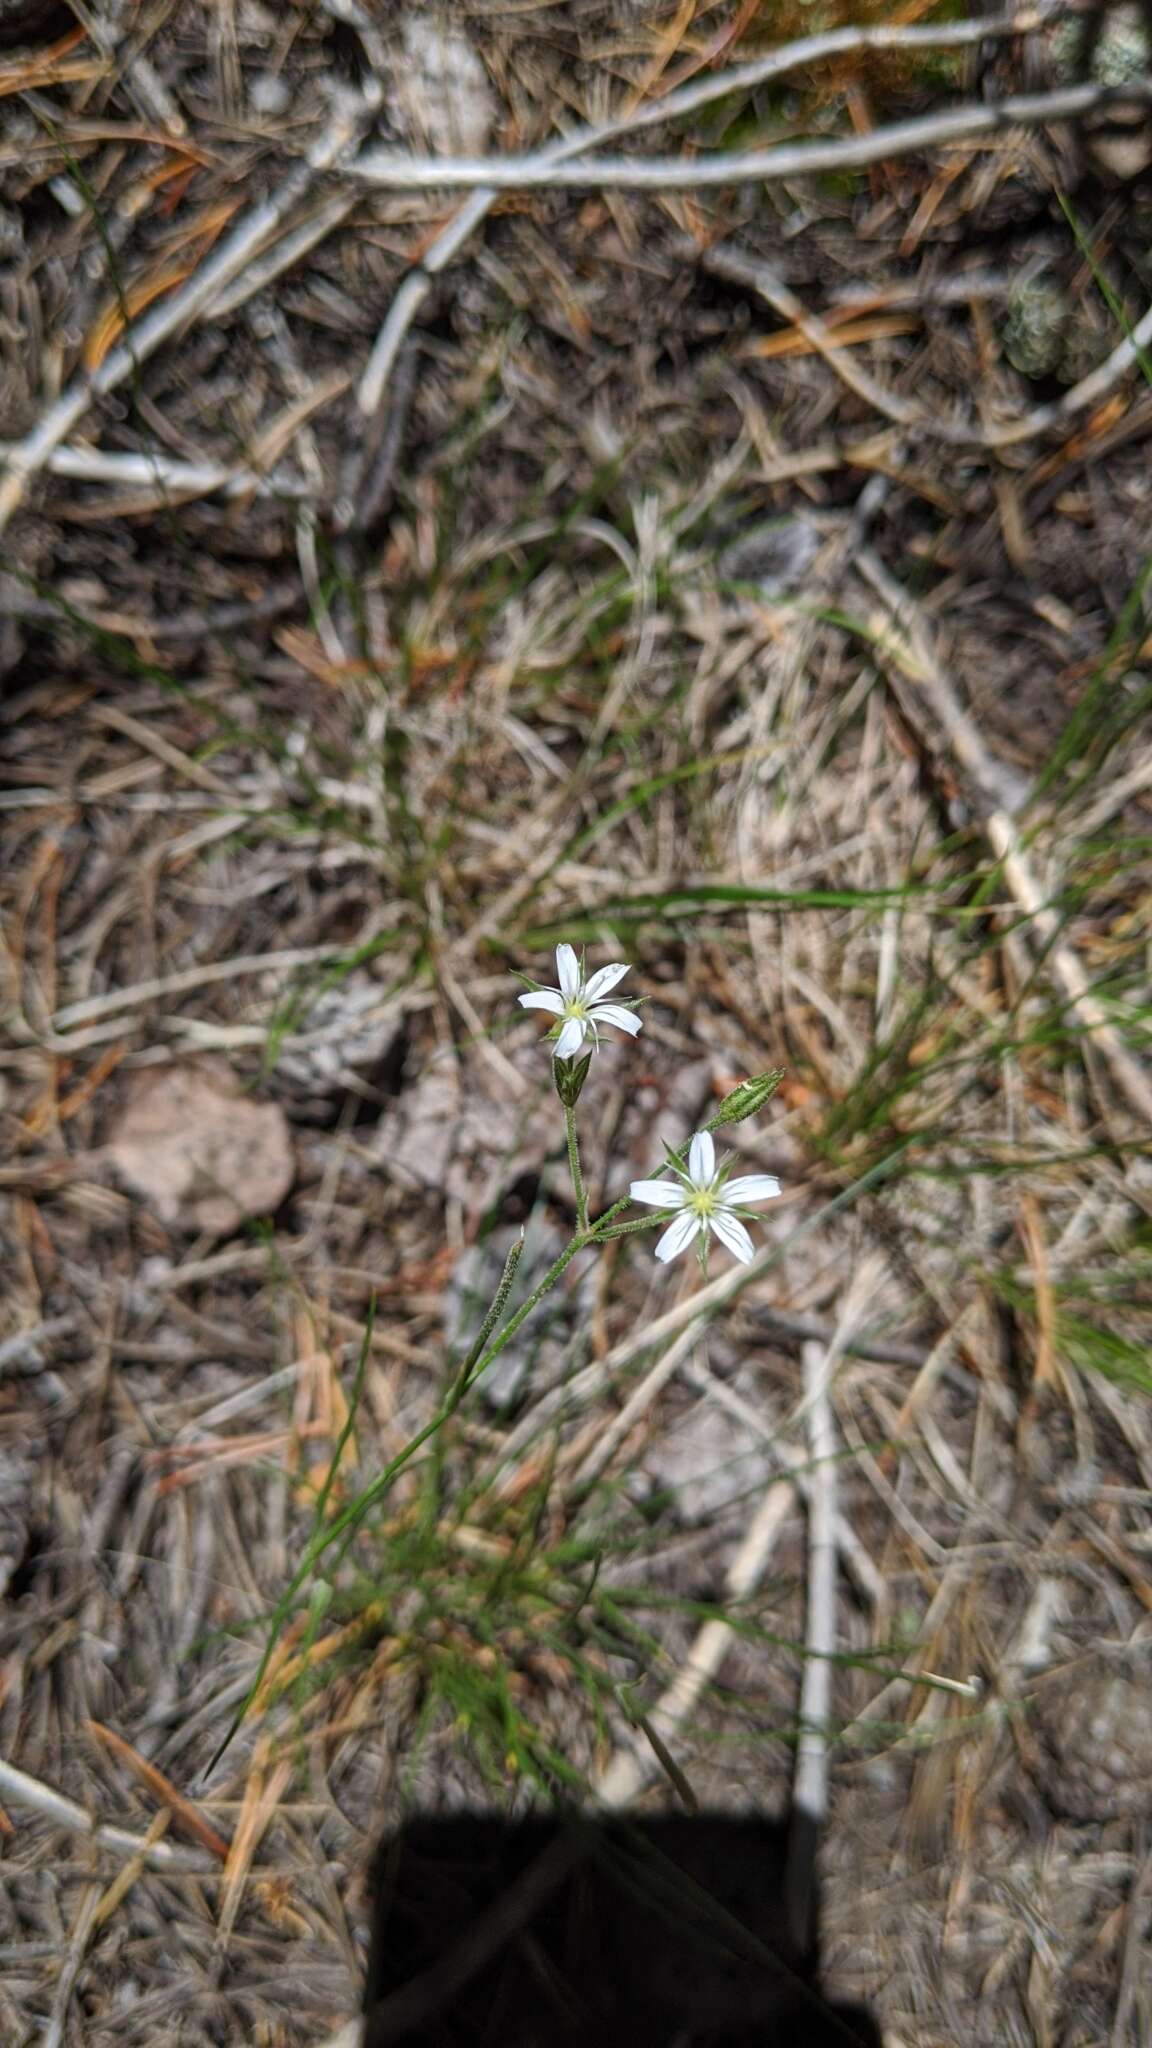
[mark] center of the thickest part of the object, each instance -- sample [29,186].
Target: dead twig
[870,1580]
[117,466]
[376,469]
[188,978]
[97,1905]
[810,1780]
[411,296]
[544,172]
[23,1790]
[639,1401]
[739,268]
[285,251]
[672,106]
[184,1812]
[791,1330]
[185,305]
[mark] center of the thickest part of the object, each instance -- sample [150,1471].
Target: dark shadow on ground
[668,1932]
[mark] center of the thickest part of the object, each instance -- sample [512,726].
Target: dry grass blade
[184,1814]
[987,779]
[264,1789]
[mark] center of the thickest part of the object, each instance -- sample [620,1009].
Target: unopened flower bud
[747,1098]
[570,1076]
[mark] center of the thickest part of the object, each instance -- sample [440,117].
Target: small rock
[1034,325]
[17,1485]
[1116,136]
[196,1147]
[453,1138]
[417,1134]
[1094,1725]
[1121,52]
[348,1029]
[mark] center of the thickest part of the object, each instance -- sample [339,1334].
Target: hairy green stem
[627,1229]
[491,1319]
[575,1244]
[574,1167]
[596,1228]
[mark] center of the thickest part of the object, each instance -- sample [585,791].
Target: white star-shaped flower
[705,1200]
[577,1003]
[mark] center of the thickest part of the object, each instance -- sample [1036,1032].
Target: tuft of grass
[509,1622]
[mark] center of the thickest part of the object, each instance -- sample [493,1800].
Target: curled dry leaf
[200,1150]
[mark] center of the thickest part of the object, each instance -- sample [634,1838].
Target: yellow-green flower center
[575,1006]
[702,1202]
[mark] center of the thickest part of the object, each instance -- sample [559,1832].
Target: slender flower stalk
[702,1200]
[574,1168]
[578,1004]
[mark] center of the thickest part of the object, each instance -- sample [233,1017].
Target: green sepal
[570,1076]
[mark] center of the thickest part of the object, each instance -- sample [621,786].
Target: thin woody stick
[810,1783]
[545,172]
[179,310]
[632,1767]
[670,107]
[22,1790]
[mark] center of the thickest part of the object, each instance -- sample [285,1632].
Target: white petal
[732,1233]
[702,1160]
[614,1013]
[544,999]
[659,1194]
[567,970]
[751,1187]
[570,1039]
[604,979]
[678,1236]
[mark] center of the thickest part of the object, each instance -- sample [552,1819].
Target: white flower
[705,1200]
[577,1003]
